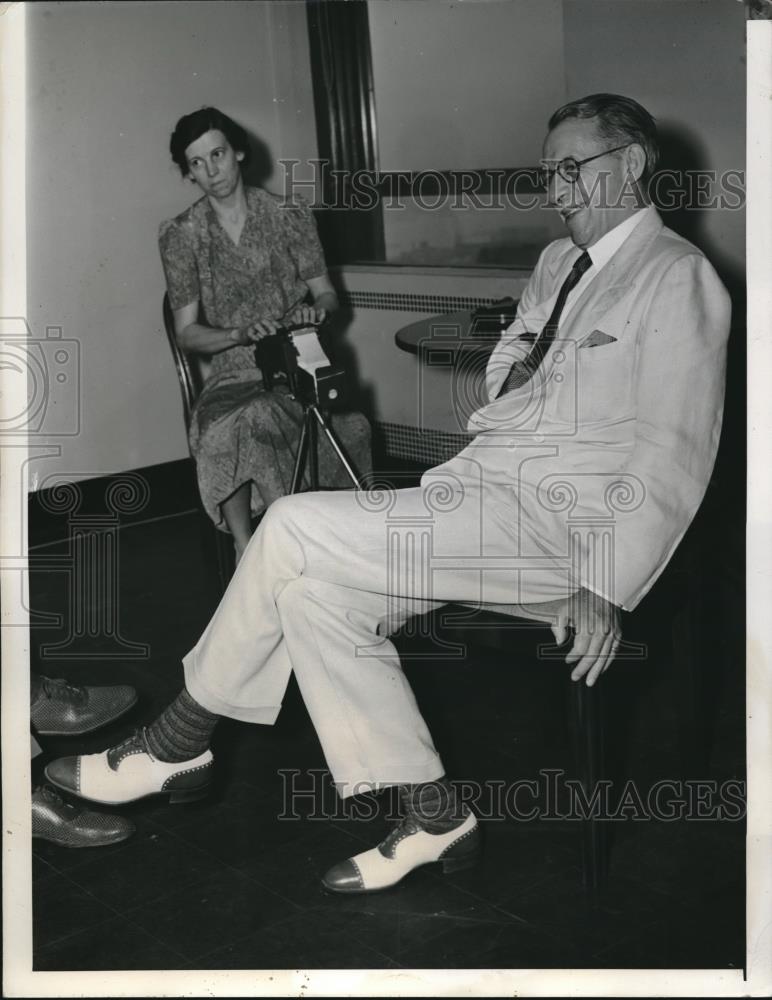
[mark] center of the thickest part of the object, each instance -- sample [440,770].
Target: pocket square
[597,338]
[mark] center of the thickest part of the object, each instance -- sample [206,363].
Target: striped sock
[182,731]
[434,805]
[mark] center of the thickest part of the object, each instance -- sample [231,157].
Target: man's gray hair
[619,119]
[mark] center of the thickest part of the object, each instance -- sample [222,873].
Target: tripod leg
[300,458]
[333,439]
[313,452]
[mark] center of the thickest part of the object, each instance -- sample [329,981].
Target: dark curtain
[351,223]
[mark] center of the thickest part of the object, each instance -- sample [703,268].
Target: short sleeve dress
[240,432]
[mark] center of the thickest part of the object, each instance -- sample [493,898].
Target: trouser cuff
[262,714]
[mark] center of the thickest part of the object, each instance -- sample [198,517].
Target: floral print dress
[240,432]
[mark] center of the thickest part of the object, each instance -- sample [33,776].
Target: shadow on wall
[685,210]
[260,169]
[683,196]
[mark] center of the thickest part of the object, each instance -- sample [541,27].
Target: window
[430,118]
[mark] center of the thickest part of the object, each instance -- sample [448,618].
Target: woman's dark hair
[193,126]
[619,119]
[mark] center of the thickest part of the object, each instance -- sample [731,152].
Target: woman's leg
[237,516]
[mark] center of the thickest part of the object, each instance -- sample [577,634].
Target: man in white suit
[590,459]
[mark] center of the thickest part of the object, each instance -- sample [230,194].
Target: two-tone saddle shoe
[129,771]
[408,846]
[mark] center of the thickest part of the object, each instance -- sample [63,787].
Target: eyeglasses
[569,167]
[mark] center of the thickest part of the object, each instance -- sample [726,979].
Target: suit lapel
[615,280]
[603,293]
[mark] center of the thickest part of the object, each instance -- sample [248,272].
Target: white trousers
[323,577]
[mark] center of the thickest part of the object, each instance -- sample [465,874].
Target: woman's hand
[246,335]
[303,315]
[307,315]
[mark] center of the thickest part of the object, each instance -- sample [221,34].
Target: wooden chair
[588,706]
[192,371]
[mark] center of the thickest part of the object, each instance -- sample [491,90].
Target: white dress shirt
[602,252]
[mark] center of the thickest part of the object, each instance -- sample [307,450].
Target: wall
[106,84]
[684,60]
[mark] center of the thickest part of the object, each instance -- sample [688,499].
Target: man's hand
[597,633]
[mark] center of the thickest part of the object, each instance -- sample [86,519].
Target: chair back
[192,372]
[192,368]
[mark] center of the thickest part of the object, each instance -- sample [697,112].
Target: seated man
[629,397]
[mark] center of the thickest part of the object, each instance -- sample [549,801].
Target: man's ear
[239,155]
[636,160]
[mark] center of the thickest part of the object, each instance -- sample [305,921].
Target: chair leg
[691,683]
[218,555]
[586,722]
[225,558]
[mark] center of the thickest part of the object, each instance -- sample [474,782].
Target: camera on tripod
[296,353]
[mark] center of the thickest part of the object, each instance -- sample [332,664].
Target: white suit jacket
[620,425]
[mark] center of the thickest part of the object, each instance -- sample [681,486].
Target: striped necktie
[523,371]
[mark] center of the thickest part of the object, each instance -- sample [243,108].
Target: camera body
[295,352]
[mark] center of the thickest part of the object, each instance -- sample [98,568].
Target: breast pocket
[604,382]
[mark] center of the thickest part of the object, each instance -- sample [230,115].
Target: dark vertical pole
[586,720]
[313,450]
[341,68]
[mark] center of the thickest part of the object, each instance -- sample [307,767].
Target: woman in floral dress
[240,262]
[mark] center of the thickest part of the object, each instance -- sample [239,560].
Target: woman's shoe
[128,772]
[407,847]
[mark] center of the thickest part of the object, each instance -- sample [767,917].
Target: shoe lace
[60,689]
[406,826]
[52,796]
[135,741]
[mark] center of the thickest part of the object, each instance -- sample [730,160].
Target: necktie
[523,371]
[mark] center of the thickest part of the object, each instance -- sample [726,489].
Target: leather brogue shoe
[408,846]
[128,772]
[68,825]
[62,709]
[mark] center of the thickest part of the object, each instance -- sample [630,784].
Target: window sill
[436,271]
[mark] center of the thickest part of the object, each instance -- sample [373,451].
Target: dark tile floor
[227,883]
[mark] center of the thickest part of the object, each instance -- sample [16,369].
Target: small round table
[462,333]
